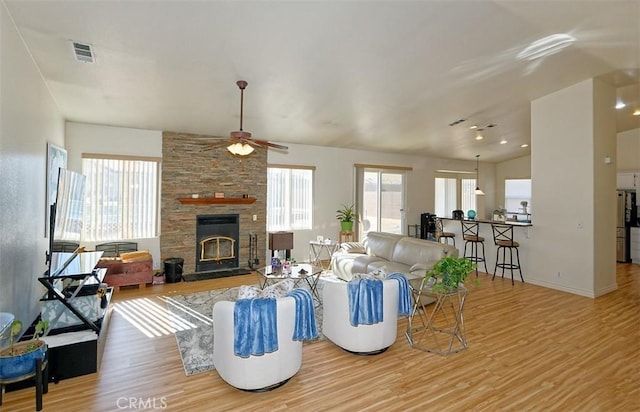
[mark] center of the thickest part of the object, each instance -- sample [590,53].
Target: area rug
[195,336]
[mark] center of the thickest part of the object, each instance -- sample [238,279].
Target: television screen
[68,207]
[65,224]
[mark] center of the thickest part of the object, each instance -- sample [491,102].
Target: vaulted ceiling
[384,75]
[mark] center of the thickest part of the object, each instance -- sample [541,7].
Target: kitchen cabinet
[635,245]
[628,180]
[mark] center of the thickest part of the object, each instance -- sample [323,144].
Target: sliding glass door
[381,198]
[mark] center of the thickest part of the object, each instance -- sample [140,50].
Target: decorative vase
[346,226]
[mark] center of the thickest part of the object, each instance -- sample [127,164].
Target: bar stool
[470,234]
[503,238]
[441,234]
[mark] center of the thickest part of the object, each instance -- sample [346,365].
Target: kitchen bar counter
[508,222]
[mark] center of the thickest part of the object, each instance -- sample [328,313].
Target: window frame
[459,176]
[288,224]
[156,196]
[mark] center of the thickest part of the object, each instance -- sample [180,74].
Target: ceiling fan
[242,143]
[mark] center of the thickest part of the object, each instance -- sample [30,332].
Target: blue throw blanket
[255,327]
[305,326]
[404,297]
[365,301]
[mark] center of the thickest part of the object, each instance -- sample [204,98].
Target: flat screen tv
[66,218]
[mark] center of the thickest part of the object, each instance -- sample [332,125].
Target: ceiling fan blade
[270,144]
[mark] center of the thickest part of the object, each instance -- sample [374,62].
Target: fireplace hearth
[217,242]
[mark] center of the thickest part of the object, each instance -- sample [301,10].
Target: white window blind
[121,197]
[453,193]
[289,198]
[446,196]
[468,194]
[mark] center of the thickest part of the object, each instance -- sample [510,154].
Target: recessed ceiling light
[479,137]
[637,112]
[473,127]
[524,145]
[503,141]
[620,105]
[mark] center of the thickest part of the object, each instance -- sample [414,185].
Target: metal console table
[437,327]
[321,253]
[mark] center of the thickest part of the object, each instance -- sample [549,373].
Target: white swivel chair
[361,339]
[256,373]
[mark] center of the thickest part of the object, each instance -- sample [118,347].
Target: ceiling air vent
[83,52]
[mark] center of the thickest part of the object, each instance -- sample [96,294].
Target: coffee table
[268,276]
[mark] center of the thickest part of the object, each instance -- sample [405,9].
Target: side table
[437,327]
[347,237]
[320,250]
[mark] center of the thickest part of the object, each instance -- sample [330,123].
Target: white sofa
[389,253]
[256,373]
[361,339]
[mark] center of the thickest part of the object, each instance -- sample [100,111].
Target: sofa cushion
[353,247]
[381,244]
[346,264]
[411,250]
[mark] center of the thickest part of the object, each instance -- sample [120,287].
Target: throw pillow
[249,292]
[278,290]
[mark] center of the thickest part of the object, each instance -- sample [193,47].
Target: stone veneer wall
[188,169]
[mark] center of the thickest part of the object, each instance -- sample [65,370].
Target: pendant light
[478,191]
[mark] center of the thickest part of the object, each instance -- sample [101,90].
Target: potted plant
[19,359]
[449,273]
[346,215]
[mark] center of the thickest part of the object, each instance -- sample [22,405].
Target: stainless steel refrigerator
[626,217]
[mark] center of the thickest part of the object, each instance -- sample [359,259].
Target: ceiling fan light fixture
[240,149]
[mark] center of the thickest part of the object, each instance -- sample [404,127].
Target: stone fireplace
[191,166]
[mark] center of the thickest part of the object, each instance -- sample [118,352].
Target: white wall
[30,119]
[334,184]
[628,151]
[564,188]
[90,138]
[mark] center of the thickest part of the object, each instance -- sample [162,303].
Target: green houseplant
[449,273]
[346,215]
[20,358]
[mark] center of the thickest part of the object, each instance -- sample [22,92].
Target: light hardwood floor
[530,348]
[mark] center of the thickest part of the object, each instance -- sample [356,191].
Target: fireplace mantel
[216,200]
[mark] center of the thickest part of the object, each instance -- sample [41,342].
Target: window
[517,191]
[454,192]
[289,198]
[121,197]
